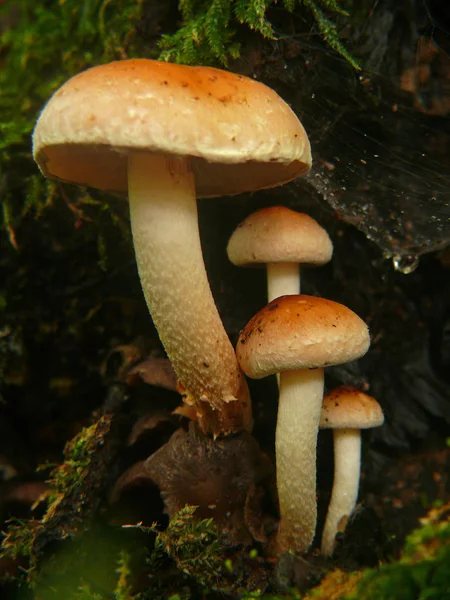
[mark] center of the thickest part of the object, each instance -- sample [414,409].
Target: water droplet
[405,264]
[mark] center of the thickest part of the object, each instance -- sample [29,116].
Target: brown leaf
[154,371]
[214,475]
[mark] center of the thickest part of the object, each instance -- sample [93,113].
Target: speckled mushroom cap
[347,407]
[300,332]
[240,134]
[279,234]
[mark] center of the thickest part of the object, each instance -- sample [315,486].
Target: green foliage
[205,35]
[328,29]
[425,541]
[42,45]
[66,478]
[193,545]
[85,592]
[423,571]
[123,587]
[207,30]
[87,32]
[84,570]
[18,539]
[77,569]
[68,496]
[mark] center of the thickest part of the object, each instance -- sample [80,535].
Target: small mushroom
[282,239]
[346,411]
[297,336]
[164,134]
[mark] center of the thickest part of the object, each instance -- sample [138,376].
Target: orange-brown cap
[279,234]
[347,407]
[300,332]
[240,134]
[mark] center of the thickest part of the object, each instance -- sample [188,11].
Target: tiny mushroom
[282,239]
[165,134]
[297,336]
[346,411]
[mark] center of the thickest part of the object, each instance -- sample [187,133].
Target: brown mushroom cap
[348,408]
[300,332]
[279,234]
[240,134]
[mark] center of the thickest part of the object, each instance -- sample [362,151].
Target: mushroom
[164,133]
[297,336]
[282,239]
[346,411]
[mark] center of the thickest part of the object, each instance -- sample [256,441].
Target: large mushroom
[281,239]
[165,134]
[346,410]
[297,336]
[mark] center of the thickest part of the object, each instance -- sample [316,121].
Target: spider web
[380,139]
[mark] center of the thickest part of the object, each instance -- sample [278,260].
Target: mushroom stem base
[299,409]
[347,466]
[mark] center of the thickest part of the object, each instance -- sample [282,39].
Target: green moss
[193,545]
[92,567]
[42,45]
[71,504]
[423,570]
[123,587]
[426,542]
[335,586]
[18,538]
[207,31]
[66,478]
[85,593]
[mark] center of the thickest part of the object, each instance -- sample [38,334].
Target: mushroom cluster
[295,337]
[165,135]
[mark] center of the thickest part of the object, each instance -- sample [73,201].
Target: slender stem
[299,408]
[282,279]
[166,238]
[347,466]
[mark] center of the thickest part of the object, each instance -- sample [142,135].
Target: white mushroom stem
[282,279]
[347,465]
[299,409]
[164,222]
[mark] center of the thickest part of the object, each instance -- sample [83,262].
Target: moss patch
[422,571]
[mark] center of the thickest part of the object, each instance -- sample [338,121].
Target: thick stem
[166,238]
[299,409]
[347,466]
[283,279]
